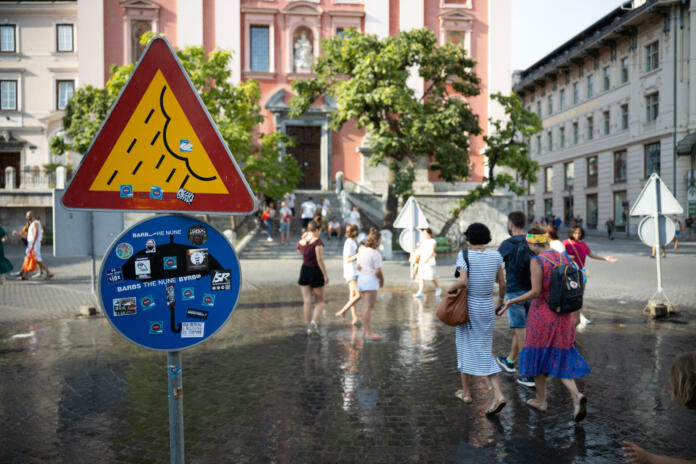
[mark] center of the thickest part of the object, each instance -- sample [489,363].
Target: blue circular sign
[169,282]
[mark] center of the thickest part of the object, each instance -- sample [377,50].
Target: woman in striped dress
[474,339]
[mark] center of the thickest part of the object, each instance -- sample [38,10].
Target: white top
[350,248]
[308,208]
[334,224]
[354,218]
[35,228]
[369,260]
[677,225]
[285,214]
[325,206]
[557,245]
[427,248]
[290,200]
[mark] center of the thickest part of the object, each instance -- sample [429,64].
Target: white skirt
[426,271]
[367,282]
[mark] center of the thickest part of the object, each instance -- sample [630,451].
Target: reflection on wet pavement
[261,391]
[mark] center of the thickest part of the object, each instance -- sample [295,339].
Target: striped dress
[475,338]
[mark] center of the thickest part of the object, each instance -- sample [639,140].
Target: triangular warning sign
[655,198]
[159,149]
[411,216]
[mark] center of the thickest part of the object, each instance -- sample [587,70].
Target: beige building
[38,73]
[615,101]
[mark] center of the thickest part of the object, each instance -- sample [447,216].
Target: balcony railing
[29,180]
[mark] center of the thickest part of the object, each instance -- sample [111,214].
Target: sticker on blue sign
[156,192]
[114,275]
[156,327]
[124,306]
[197,313]
[208,299]
[192,329]
[124,250]
[126,191]
[185,146]
[220,280]
[188,293]
[142,268]
[147,302]
[169,263]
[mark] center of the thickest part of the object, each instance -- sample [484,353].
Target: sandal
[580,409]
[496,407]
[465,398]
[357,324]
[374,337]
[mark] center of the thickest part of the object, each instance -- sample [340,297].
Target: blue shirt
[508,250]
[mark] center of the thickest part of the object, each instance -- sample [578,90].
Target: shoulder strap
[465,254]
[550,261]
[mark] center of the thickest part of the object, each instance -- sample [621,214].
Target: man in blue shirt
[516,254]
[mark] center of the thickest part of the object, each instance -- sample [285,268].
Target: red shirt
[309,252]
[578,250]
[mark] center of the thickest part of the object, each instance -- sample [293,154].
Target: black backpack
[523,256]
[566,288]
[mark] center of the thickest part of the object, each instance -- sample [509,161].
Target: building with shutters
[273,42]
[38,73]
[616,100]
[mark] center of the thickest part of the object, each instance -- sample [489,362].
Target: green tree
[367,77]
[507,148]
[234,109]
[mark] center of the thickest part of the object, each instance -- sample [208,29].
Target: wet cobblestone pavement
[74,391]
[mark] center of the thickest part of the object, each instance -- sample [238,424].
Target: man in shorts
[517,313]
[284,215]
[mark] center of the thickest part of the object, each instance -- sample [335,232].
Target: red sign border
[159,55]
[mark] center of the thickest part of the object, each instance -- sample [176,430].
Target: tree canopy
[367,76]
[507,147]
[234,109]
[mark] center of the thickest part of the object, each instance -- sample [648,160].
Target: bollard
[60,177]
[386,245]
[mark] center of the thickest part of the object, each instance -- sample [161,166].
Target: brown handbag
[454,309]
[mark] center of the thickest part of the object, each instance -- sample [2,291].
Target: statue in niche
[303,54]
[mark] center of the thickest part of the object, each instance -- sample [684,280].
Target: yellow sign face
[159,147]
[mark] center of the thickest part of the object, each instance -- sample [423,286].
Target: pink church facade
[274,41]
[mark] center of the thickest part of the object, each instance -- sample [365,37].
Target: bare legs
[369,298]
[421,285]
[518,336]
[498,402]
[540,401]
[353,297]
[578,399]
[311,318]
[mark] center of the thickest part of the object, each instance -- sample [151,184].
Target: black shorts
[312,276]
[305,221]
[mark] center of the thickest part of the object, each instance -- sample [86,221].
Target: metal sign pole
[91,253]
[176,408]
[658,248]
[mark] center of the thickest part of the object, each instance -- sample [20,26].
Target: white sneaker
[584,320]
[314,328]
[419,295]
[438,291]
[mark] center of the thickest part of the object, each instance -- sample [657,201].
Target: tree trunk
[392,201]
[448,225]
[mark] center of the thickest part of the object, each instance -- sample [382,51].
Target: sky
[540,26]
